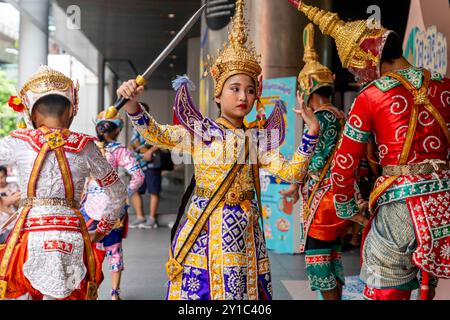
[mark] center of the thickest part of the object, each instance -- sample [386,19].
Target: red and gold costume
[219,251]
[408,112]
[48,253]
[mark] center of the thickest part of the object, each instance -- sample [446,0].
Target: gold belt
[232,198]
[32,202]
[413,169]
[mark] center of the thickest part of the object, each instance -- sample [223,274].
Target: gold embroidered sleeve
[292,171]
[172,137]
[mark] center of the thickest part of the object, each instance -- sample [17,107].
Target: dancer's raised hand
[307,113]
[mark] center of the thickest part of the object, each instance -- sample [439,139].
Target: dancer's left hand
[307,113]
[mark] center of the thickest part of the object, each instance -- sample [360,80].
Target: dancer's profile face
[238,96]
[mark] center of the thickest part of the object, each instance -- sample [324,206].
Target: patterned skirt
[229,259]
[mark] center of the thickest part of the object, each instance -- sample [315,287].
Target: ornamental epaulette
[74,142]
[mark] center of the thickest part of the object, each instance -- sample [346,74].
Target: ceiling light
[172,32]
[171,65]
[171,15]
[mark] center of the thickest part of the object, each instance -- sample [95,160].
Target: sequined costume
[228,259]
[48,252]
[96,201]
[385,108]
[408,113]
[322,229]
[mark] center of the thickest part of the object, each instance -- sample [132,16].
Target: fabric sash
[420,98]
[54,143]
[323,173]
[66,174]
[11,242]
[174,265]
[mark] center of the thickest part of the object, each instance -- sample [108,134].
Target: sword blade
[8,222]
[174,42]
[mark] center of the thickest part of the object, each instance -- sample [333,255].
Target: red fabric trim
[109,179]
[125,226]
[75,142]
[386,294]
[58,245]
[428,213]
[104,227]
[52,221]
[53,229]
[318,259]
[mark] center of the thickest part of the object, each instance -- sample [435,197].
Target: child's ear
[33,116]
[217,99]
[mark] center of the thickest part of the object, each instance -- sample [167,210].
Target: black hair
[52,105]
[325,91]
[104,127]
[3,169]
[393,48]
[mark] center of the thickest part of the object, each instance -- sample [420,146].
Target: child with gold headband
[48,254]
[219,250]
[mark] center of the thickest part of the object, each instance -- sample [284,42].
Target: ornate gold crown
[44,82]
[47,81]
[313,75]
[236,57]
[359,45]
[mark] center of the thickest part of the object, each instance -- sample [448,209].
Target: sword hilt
[112,111]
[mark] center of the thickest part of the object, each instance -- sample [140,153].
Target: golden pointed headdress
[44,82]
[237,56]
[314,75]
[359,43]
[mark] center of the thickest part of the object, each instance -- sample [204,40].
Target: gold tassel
[21,124]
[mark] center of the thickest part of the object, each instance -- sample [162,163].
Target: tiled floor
[145,278]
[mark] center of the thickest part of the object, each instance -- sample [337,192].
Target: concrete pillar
[33,37]
[213,42]
[110,87]
[101,83]
[276,28]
